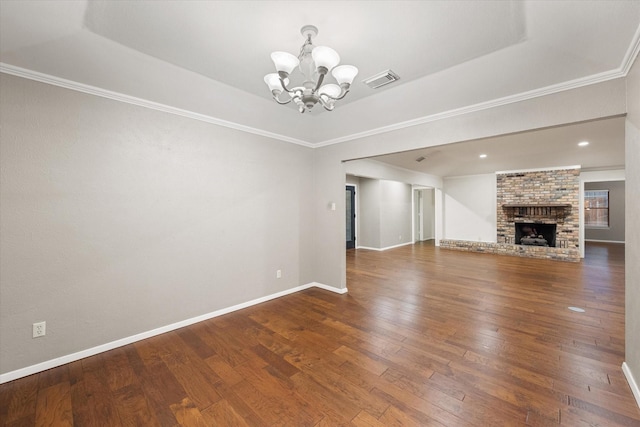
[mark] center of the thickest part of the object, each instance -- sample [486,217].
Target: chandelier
[314,63]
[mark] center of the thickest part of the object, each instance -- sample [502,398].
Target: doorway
[423,214]
[350,203]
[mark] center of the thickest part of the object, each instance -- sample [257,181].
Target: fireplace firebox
[535,234]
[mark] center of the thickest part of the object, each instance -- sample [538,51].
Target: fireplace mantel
[555,211]
[537,205]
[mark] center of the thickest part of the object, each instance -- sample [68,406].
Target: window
[596,208]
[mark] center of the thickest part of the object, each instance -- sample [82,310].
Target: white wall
[425,197]
[429,214]
[117,219]
[374,169]
[470,208]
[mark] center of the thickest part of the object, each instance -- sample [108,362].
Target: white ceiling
[544,148]
[209,57]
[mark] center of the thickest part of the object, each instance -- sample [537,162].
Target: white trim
[555,168]
[632,53]
[602,175]
[104,93]
[327,288]
[384,249]
[511,99]
[581,231]
[355,208]
[622,71]
[604,241]
[43,366]
[632,382]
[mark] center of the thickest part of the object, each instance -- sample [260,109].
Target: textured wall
[385,213]
[632,231]
[395,213]
[117,220]
[369,222]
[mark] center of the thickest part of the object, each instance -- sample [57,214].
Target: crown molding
[632,53]
[622,71]
[511,99]
[116,96]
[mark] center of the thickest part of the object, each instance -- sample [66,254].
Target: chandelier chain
[306,43]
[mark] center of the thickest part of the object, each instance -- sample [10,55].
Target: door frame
[434,214]
[354,220]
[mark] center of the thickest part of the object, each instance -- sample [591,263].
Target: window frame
[597,208]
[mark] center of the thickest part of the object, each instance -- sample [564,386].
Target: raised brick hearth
[541,252]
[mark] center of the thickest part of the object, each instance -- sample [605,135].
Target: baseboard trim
[43,366]
[386,248]
[604,241]
[632,382]
[326,288]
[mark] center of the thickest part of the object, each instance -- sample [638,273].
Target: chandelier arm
[327,105]
[320,80]
[282,102]
[345,90]
[285,86]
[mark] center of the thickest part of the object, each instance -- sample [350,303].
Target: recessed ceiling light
[583,143]
[483,156]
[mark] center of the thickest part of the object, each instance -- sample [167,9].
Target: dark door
[351,216]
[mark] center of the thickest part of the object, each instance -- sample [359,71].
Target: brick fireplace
[542,207]
[543,197]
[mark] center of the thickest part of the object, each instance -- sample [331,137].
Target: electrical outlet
[39,329]
[278,274]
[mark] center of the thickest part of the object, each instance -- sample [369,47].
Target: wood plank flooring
[424,337]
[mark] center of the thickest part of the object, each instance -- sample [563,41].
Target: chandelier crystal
[314,63]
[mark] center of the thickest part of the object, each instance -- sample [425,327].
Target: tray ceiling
[208,58]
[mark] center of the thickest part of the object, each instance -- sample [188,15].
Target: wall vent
[381,79]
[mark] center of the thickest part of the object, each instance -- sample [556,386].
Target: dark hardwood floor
[424,337]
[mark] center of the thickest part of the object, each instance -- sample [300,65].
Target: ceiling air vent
[381,79]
